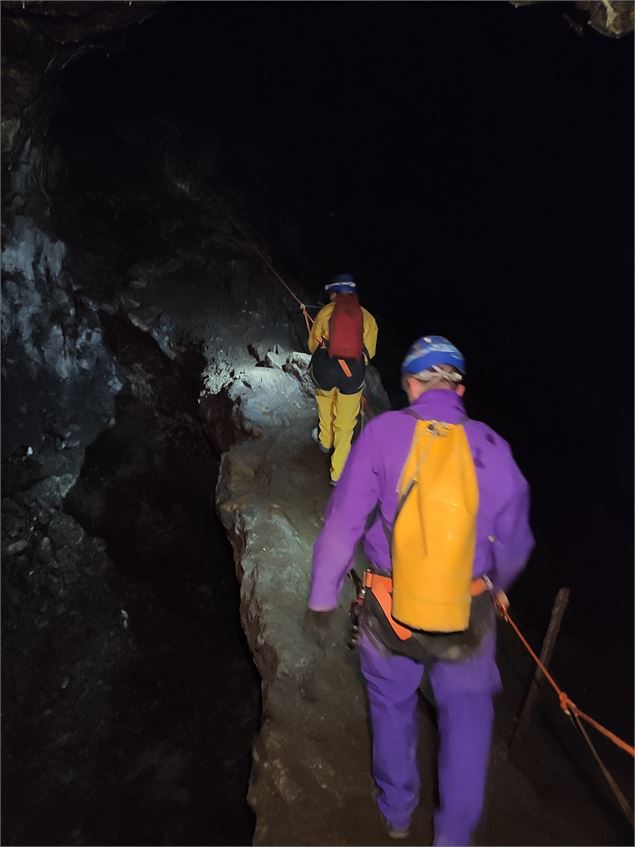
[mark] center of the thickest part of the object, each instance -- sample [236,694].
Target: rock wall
[613,18]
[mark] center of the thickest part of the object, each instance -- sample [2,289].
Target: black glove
[317,626]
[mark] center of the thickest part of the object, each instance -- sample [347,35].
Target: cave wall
[197,282]
[613,18]
[48,337]
[119,606]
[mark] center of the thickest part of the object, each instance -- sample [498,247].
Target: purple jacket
[504,539]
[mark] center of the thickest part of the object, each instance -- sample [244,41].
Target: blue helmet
[432,350]
[342,284]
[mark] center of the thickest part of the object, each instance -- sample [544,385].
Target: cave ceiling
[41,38]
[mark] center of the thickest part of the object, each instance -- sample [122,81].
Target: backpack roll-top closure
[346,328]
[434,532]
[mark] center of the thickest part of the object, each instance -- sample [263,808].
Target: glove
[317,626]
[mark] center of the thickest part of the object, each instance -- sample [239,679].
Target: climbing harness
[344,366]
[356,608]
[381,586]
[341,362]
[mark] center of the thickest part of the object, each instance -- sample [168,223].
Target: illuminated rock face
[610,17]
[613,18]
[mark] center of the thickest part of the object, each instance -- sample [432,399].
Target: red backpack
[346,328]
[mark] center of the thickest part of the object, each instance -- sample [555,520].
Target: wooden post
[559,607]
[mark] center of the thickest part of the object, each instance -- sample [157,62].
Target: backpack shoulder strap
[389,528]
[413,481]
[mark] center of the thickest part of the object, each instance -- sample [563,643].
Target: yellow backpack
[434,531]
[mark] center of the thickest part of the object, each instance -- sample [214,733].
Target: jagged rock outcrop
[609,17]
[613,18]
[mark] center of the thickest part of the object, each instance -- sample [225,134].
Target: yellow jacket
[320,329]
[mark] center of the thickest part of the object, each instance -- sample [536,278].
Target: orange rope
[627,748]
[566,704]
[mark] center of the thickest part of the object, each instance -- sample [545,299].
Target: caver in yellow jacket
[339,382]
[320,330]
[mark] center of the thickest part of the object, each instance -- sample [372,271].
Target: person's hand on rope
[317,627]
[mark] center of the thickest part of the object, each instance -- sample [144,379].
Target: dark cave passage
[457,163]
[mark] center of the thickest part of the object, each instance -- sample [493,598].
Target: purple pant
[463,693]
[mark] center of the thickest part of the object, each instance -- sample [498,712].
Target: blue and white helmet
[429,351]
[342,284]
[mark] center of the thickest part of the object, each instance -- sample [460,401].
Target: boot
[315,435]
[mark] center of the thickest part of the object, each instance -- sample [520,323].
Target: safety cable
[575,714]
[623,803]
[566,704]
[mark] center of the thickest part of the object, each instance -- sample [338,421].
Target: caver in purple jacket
[463,690]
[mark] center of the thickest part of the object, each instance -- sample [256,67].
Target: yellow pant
[338,415]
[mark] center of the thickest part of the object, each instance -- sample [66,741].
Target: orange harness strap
[343,365]
[341,362]
[381,586]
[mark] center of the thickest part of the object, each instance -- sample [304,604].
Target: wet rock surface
[130,699]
